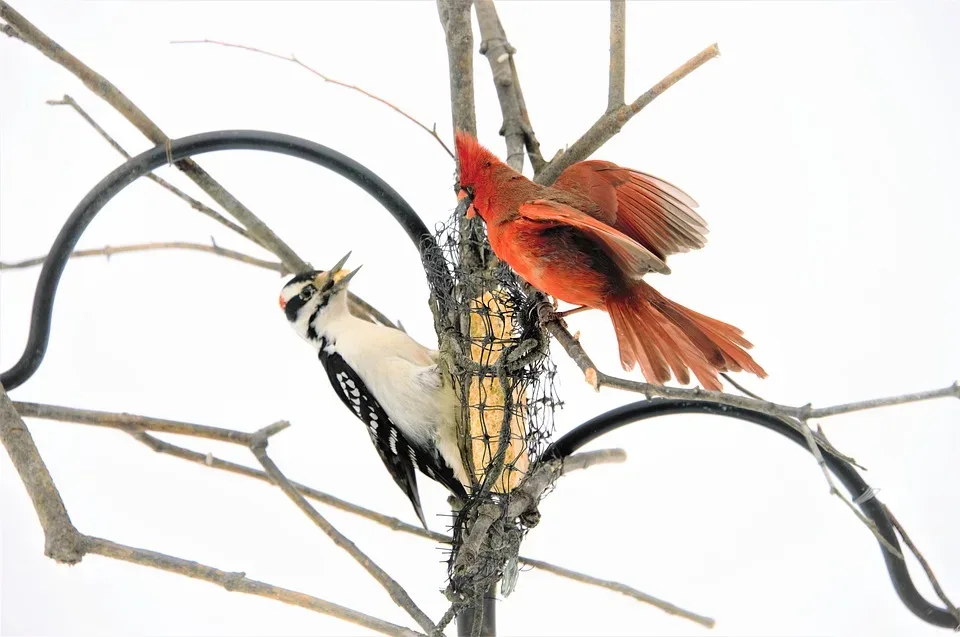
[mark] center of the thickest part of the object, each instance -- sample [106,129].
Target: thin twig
[393,588]
[109,251]
[498,51]
[458,30]
[103,88]
[611,122]
[618,56]
[807,412]
[522,498]
[238,582]
[923,563]
[132,422]
[834,491]
[796,424]
[432,131]
[358,306]
[629,591]
[199,206]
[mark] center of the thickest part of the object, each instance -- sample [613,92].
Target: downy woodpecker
[388,380]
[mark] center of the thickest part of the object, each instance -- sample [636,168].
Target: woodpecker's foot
[592,379]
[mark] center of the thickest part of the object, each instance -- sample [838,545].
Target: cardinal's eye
[307,292]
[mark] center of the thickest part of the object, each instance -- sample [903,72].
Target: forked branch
[138,426]
[64,543]
[103,88]
[611,122]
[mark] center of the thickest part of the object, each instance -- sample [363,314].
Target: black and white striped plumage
[388,380]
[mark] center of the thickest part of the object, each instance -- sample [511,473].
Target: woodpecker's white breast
[404,377]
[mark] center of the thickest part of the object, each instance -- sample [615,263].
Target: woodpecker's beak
[465,207]
[337,274]
[343,280]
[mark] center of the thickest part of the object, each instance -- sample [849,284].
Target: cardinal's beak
[465,207]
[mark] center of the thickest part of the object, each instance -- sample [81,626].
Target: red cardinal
[589,240]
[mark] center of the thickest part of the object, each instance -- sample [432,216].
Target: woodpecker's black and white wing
[397,452]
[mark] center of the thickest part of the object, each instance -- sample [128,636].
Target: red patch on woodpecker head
[283,303]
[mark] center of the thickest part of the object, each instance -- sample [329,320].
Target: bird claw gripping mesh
[493,345]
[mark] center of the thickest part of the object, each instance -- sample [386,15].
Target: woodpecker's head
[311,298]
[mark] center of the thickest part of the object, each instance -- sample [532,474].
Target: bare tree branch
[62,540]
[65,544]
[498,51]
[611,122]
[432,131]
[797,425]
[806,412]
[256,442]
[122,422]
[113,96]
[516,128]
[193,203]
[240,583]
[458,29]
[109,251]
[618,54]
[65,541]
[358,306]
[393,588]
[132,422]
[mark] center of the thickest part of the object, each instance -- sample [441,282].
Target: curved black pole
[144,163]
[855,485]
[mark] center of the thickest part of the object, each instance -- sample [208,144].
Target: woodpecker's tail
[662,336]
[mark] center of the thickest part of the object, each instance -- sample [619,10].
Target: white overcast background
[822,147]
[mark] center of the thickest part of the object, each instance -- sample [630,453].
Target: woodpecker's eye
[307,292]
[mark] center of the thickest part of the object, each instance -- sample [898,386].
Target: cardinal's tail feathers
[662,336]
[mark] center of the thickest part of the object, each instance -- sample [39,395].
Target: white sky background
[822,147]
